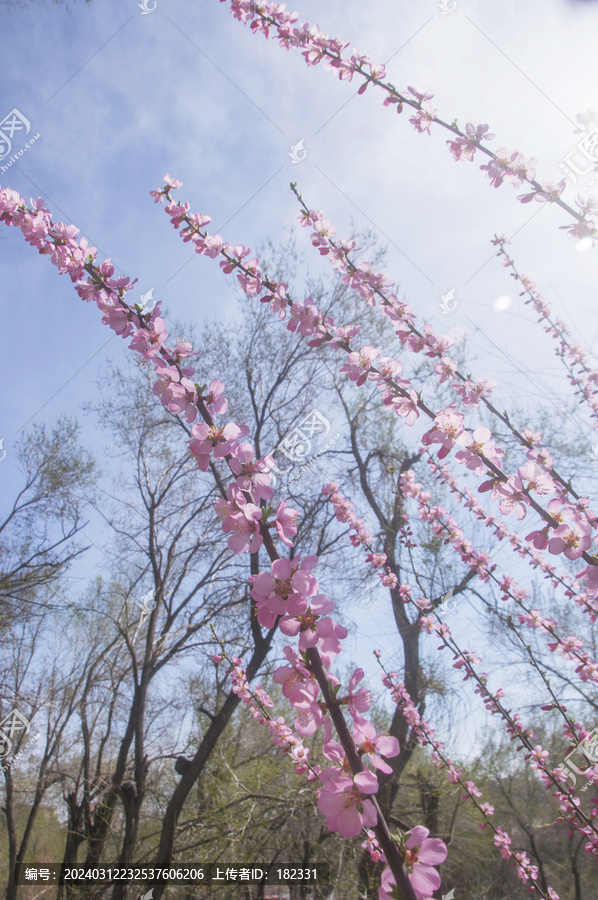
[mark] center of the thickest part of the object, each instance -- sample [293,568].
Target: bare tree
[37,534]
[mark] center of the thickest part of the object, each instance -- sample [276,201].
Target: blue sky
[119,98]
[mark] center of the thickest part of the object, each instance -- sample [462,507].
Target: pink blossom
[238,252]
[446,368]
[278,300]
[148,341]
[471,391]
[359,701]
[503,841]
[588,205]
[403,406]
[172,183]
[571,539]
[212,245]
[286,522]
[344,333]
[374,745]
[285,590]
[549,193]
[448,426]
[176,391]
[358,364]
[310,716]
[309,320]
[251,473]
[117,318]
[464,147]
[540,481]
[240,519]
[515,499]
[207,438]
[251,279]
[512,167]
[313,625]
[372,846]
[214,400]
[479,443]
[419,93]
[422,854]
[424,117]
[177,212]
[376,560]
[292,678]
[346,807]
[591,574]
[472,790]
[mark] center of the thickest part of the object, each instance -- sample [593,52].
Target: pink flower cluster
[570,527]
[289,594]
[422,853]
[446,526]
[258,702]
[343,798]
[536,559]
[479,450]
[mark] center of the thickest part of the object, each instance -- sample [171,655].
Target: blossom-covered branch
[422,733]
[273,21]
[446,527]
[573,356]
